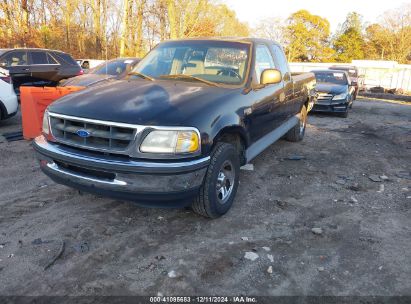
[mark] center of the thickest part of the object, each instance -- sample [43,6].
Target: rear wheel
[298,131]
[220,183]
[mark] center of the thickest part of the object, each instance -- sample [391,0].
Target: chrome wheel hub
[225,182]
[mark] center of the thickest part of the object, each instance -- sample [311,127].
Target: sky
[335,11]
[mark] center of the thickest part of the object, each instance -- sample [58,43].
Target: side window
[15,58]
[281,60]
[263,60]
[64,58]
[39,58]
[51,60]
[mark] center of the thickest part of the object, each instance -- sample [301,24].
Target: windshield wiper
[183,76]
[141,75]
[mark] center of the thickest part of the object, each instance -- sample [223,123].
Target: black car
[38,67]
[353,73]
[112,69]
[335,92]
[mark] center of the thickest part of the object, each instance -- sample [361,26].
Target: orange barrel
[34,101]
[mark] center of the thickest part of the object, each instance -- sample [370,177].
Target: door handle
[26,69]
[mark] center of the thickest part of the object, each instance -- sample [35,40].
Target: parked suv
[37,67]
[178,128]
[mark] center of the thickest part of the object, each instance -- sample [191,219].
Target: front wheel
[298,131]
[220,183]
[344,114]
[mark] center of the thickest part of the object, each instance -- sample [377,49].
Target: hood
[86,80]
[331,88]
[139,101]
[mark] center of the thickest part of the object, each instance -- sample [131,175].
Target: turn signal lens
[187,142]
[46,127]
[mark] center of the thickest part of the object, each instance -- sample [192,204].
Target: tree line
[111,28]
[307,37]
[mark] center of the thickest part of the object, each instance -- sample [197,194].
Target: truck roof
[231,39]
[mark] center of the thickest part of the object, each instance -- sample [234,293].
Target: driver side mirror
[270,76]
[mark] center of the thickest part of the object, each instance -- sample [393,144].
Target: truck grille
[324,96]
[98,136]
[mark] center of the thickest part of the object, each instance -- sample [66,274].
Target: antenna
[105,27]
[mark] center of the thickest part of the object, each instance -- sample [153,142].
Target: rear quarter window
[64,58]
[281,61]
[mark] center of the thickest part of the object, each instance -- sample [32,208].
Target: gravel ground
[54,241]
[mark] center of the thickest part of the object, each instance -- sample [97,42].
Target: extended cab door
[290,101]
[265,112]
[43,66]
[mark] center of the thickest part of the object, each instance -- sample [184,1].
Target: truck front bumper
[149,183]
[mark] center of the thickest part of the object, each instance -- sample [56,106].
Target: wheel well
[307,103]
[3,111]
[235,138]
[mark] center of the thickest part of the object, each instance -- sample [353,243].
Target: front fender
[228,124]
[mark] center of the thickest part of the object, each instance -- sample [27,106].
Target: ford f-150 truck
[178,128]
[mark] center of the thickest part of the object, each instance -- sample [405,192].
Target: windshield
[333,77]
[114,68]
[219,62]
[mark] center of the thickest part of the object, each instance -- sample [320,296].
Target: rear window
[64,58]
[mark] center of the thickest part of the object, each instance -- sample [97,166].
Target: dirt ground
[109,247]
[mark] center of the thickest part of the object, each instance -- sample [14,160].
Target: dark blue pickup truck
[177,129]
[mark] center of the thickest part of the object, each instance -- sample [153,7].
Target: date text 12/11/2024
[203,299]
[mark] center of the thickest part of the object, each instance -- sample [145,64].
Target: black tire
[208,202]
[344,114]
[297,132]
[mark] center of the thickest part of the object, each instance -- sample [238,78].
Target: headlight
[171,141]
[340,96]
[46,127]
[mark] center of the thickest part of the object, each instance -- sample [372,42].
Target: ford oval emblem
[83,133]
